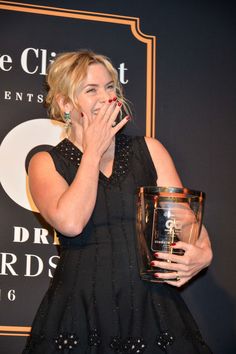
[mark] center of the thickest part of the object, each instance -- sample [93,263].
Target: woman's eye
[110,87]
[91,90]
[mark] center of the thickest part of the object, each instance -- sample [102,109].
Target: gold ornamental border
[150,41]
[17,331]
[133,22]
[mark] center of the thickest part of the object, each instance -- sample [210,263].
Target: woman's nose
[104,96]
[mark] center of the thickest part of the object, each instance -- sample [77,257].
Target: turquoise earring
[67,117]
[67,120]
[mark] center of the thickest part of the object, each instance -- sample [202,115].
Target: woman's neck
[76,137]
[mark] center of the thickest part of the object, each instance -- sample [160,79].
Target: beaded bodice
[122,156]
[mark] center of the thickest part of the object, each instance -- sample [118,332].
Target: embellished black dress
[97,302]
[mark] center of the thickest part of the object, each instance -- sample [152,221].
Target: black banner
[28,247]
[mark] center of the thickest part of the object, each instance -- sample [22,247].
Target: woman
[85,188]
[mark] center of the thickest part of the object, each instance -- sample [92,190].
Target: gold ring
[177,276]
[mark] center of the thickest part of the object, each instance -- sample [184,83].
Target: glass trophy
[165,215]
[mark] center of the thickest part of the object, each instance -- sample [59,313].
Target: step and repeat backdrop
[28,246]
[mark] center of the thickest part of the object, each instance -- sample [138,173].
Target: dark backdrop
[196,112]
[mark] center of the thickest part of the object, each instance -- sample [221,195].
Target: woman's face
[97,88]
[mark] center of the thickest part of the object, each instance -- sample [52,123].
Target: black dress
[97,302]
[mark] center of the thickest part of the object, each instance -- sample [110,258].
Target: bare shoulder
[42,173]
[157,151]
[163,162]
[42,170]
[155,145]
[40,159]
[45,183]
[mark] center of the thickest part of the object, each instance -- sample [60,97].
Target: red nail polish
[152,263]
[119,104]
[173,244]
[156,254]
[110,100]
[82,114]
[128,118]
[114,98]
[156,275]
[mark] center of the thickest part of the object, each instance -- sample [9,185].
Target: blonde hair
[65,75]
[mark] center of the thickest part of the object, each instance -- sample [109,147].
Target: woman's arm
[196,257]
[166,172]
[68,208]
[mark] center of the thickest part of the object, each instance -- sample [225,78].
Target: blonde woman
[85,188]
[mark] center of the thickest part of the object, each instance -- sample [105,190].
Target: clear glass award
[165,215]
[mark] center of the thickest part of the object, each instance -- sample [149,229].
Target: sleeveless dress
[96,302]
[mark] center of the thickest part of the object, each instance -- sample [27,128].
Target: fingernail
[156,254]
[173,244]
[128,118]
[114,98]
[152,263]
[119,104]
[82,114]
[110,100]
[156,275]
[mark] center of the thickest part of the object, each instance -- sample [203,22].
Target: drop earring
[67,120]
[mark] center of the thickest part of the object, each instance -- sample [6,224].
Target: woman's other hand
[184,267]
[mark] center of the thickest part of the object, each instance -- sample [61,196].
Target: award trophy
[165,215]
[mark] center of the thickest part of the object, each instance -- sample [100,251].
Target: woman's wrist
[91,158]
